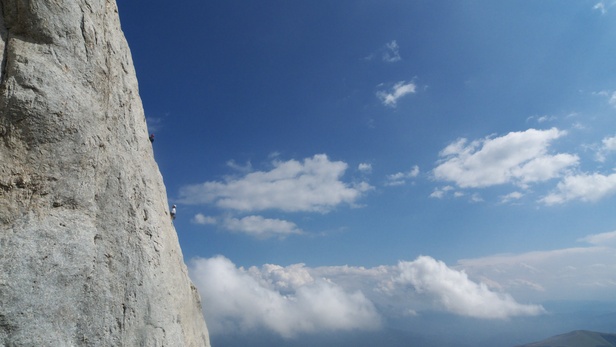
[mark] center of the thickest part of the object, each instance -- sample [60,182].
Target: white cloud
[298,299]
[456,293]
[584,187]
[400,178]
[312,185]
[600,6]
[611,95]
[365,167]
[608,145]
[603,5]
[238,167]
[511,196]
[518,157]
[392,52]
[199,218]
[399,90]
[545,119]
[238,300]
[261,227]
[295,299]
[440,193]
[542,119]
[583,273]
[602,239]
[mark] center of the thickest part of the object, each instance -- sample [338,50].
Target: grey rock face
[88,254]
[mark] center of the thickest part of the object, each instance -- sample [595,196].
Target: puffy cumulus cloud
[235,299]
[584,187]
[312,185]
[390,98]
[400,178]
[283,279]
[456,293]
[261,227]
[518,157]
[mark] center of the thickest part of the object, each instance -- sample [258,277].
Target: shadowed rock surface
[88,254]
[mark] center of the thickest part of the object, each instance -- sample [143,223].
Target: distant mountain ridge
[577,338]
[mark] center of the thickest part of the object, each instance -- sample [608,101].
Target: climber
[173,212]
[152,138]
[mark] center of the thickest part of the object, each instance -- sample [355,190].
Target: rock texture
[88,254]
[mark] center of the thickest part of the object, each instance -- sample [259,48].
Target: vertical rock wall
[88,254]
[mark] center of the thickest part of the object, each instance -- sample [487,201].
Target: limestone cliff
[88,254]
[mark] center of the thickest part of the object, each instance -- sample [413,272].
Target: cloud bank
[298,299]
[287,302]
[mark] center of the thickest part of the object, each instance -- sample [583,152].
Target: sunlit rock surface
[88,253]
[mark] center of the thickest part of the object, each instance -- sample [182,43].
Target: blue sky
[351,166]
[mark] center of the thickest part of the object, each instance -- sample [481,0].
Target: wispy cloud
[602,6]
[609,95]
[511,197]
[518,157]
[255,226]
[542,119]
[202,219]
[608,146]
[365,167]
[392,52]
[580,273]
[247,167]
[440,193]
[155,124]
[261,227]
[390,98]
[312,185]
[400,178]
[602,239]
